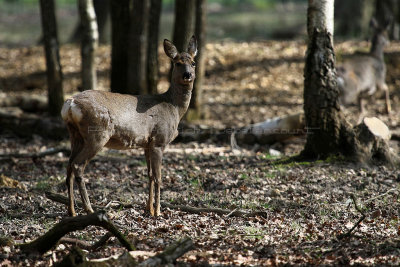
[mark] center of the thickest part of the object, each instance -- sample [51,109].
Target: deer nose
[187,75]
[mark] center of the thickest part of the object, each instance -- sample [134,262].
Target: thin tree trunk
[195,111]
[102,11]
[152,52]
[137,53]
[385,13]
[352,17]
[53,66]
[89,44]
[120,19]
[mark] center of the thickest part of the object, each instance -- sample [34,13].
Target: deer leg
[156,160]
[89,150]
[150,200]
[70,186]
[361,107]
[387,98]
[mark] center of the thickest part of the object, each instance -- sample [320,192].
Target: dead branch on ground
[348,234]
[70,224]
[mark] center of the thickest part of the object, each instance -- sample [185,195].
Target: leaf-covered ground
[305,207]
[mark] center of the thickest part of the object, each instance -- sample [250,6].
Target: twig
[69,224]
[387,192]
[50,151]
[358,222]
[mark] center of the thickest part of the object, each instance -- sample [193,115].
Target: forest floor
[305,207]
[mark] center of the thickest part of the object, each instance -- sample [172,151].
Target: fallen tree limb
[170,254]
[50,151]
[77,257]
[237,213]
[86,245]
[69,224]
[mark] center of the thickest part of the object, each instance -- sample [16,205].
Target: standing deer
[97,119]
[362,74]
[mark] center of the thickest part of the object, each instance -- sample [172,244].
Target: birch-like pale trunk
[89,43]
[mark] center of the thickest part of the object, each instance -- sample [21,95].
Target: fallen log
[25,124]
[70,224]
[272,130]
[26,102]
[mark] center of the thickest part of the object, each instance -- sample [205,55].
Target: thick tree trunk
[183,24]
[120,20]
[329,133]
[137,53]
[53,66]
[89,44]
[194,111]
[152,52]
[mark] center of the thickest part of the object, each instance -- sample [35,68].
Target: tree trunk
[352,17]
[137,53]
[89,44]
[183,24]
[120,19]
[329,133]
[152,52]
[53,66]
[102,10]
[385,13]
[194,111]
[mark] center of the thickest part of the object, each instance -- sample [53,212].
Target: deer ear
[373,23]
[192,47]
[169,49]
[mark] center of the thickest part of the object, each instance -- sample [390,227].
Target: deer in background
[97,119]
[362,74]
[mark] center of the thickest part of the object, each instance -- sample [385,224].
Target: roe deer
[97,119]
[362,74]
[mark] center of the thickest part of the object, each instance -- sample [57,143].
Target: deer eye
[193,64]
[178,64]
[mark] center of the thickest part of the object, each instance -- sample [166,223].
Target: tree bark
[137,52]
[102,10]
[120,20]
[329,133]
[152,47]
[183,24]
[194,111]
[89,43]
[53,65]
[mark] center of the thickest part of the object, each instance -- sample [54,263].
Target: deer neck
[180,97]
[377,50]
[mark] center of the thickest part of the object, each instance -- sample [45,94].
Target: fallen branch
[86,245]
[348,234]
[69,224]
[237,213]
[170,254]
[50,151]
[77,257]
